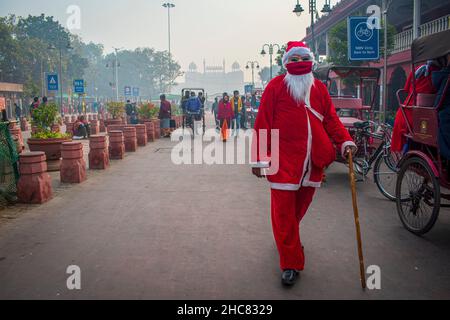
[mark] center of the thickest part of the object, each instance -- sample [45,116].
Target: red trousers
[288,209]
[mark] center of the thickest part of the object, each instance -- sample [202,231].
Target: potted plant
[148,111]
[45,118]
[116,110]
[148,114]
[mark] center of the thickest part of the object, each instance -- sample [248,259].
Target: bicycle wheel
[418,196]
[385,176]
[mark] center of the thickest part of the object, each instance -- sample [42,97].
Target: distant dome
[236,66]
[192,66]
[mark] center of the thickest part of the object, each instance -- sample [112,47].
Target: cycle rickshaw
[353,91]
[424,171]
[189,118]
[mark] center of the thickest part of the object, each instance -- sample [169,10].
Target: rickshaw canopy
[430,47]
[354,72]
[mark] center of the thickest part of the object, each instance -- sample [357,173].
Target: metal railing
[403,40]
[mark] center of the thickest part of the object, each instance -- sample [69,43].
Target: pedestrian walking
[165,115]
[300,109]
[215,110]
[225,114]
[237,104]
[18,111]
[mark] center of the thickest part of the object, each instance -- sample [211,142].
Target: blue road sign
[135,92]
[127,91]
[52,82]
[78,86]
[363,40]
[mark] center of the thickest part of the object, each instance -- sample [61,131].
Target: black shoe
[289,277]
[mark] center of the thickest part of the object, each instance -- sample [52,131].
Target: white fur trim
[345,145]
[261,165]
[296,51]
[312,184]
[285,186]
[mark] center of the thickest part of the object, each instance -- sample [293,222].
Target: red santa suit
[307,130]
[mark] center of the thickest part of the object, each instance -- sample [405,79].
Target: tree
[264,74]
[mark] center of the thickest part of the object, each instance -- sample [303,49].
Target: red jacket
[225,111]
[306,135]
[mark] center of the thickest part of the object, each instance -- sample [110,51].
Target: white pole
[416,19]
[117,78]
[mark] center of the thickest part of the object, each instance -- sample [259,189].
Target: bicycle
[380,159]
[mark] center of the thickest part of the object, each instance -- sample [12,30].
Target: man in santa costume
[300,108]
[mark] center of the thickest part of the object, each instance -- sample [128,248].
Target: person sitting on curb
[81,129]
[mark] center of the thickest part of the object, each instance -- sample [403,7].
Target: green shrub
[148,111]
[45,116]
[116,109]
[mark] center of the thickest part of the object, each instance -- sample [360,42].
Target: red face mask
[299,68]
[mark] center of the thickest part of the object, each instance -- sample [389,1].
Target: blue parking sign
[52,82]
[78,86]
[127,91]
[135,92]
[363,40]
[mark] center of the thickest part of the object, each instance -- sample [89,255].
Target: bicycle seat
[362,124]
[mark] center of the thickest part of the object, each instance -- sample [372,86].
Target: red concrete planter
[95,127]
[116,145]
[16,134]
[24,126]
[156,126]
[110,122]
[141,134]
[129,134]
[150,130]
[52,149]
[34,185]
[98,153]
[73,166]
[102,125]
[115,127]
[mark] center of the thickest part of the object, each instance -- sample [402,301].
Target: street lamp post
[115,64]
[117,74]
[271,52]
[169,6]
[312,10]
[60,47]
[253,65]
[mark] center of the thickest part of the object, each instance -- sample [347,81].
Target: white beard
[299,87]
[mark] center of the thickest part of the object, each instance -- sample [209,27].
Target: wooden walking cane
[356,214]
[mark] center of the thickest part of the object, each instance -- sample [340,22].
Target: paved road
[148,229]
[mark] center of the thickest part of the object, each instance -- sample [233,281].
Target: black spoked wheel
[385,175]
[418,196]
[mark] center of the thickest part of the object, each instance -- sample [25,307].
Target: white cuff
[345,145]
[261,165]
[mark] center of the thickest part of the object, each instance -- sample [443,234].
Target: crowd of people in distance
[236,111]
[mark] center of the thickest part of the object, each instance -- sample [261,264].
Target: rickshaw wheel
[418,196]
[385,175]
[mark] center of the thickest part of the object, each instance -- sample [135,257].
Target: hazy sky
[210,29]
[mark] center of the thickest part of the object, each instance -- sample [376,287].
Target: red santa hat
[296,48]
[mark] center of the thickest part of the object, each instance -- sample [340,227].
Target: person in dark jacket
[215,110]
[18,111]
